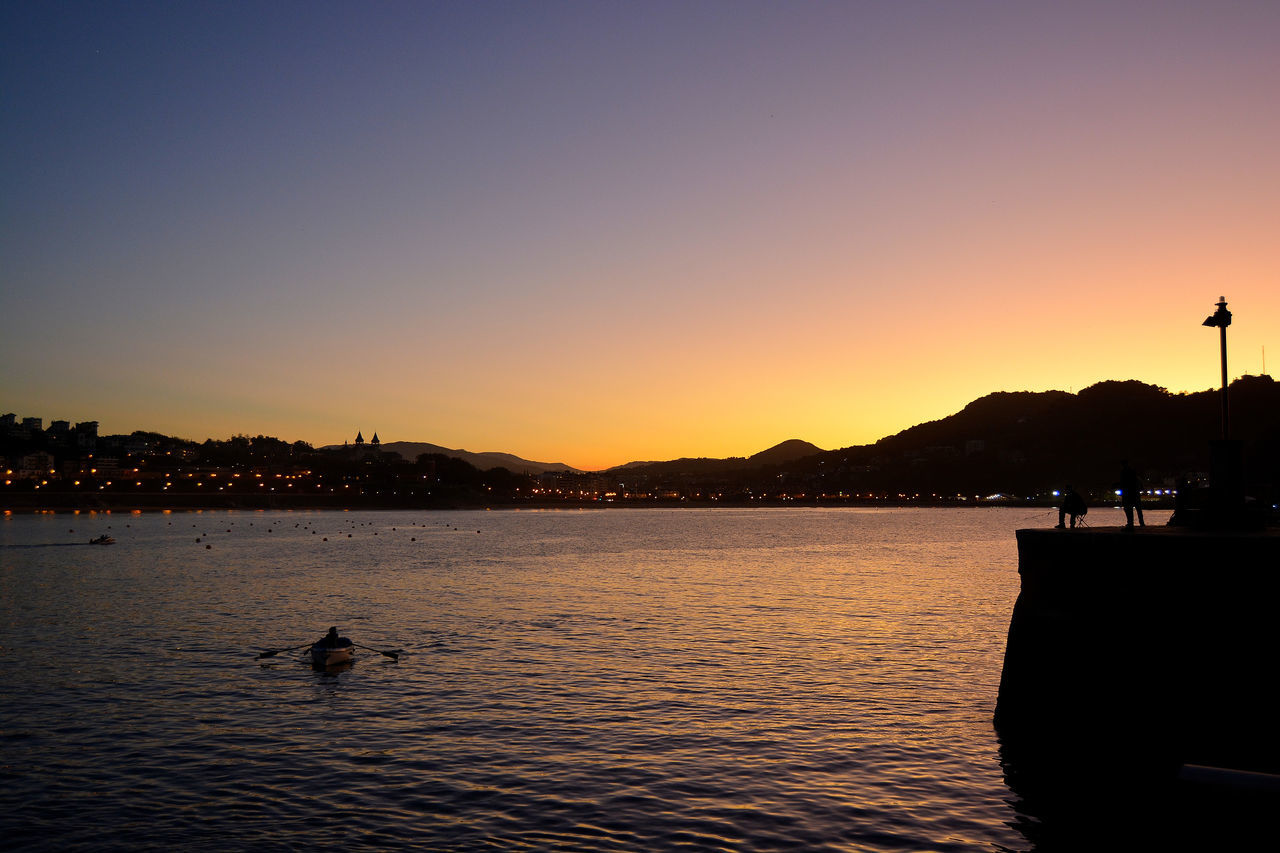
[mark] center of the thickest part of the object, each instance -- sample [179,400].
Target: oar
[392,655]
[278,651]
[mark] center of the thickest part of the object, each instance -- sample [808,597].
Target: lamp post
[1226,457]
[1222,318]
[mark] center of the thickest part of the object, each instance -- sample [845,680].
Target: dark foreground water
[741,680]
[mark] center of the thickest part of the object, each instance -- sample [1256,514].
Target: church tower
[363,450]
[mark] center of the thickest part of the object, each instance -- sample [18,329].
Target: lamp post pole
[1222,318]
[1226,457]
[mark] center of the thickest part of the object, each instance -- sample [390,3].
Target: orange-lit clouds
[595,235]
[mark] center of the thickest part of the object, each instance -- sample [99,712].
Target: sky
[599,232]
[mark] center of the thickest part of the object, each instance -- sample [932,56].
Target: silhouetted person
[1072,505]
[331,640]
[1129,497]
[1180,503]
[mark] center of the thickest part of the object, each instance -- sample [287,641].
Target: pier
[1145,649]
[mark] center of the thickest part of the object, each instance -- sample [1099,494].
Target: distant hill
[787,451]
[1024,443]
[1032,441]
[779,454]
[411,450]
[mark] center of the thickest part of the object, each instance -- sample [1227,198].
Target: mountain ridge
[1024,442]
[484,461]
[783,452]
[1002,440]
[1019,443]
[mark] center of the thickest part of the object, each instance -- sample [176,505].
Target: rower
[331,640]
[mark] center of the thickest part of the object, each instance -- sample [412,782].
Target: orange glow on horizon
[828,222]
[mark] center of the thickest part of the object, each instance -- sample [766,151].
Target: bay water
[620,679]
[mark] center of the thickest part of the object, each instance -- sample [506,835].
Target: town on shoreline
[1004,449]
[197,503]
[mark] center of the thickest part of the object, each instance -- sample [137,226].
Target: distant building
[136,445]
[365,451]
[13,428]
[36,465]
[87,436]
[106,466]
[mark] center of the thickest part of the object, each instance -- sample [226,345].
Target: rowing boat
[326,656]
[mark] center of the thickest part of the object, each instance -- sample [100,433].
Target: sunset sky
[597,232]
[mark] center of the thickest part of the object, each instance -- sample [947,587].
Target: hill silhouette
[787,451]
[411,450]
[1024,443]
[1018,444]
[1027,442]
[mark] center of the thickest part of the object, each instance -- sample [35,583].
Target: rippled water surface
[574,680]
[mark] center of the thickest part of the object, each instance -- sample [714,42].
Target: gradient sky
[595,232]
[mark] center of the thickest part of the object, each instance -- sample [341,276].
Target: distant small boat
[104,539]
[327,656]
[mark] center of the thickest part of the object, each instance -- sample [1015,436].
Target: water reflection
[628,680]
[1070,795]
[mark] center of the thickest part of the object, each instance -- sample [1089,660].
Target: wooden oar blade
[275,652]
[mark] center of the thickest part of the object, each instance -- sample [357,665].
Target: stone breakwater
[1145,649]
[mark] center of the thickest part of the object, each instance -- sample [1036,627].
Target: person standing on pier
[1072,505]
[1130,498]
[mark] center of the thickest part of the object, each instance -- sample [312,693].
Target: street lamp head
[1220,318]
